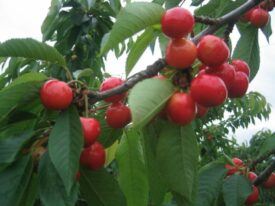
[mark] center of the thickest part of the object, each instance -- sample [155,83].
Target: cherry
[208,90]
[91,130]
[56,95]
[259,17]
[118,115]
[212,50]
[181,109]
[93,156]
[201,111]
[181,53]
[239,85]
[238,164]
[225,71]
[111,83]
[253,197]
[270,182]
[247,15]
[177,22]
[251,176]
[241,66]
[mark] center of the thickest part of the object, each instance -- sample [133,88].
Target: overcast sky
[23,19]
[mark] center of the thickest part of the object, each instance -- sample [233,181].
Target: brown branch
[265,174]
[206,20]
[151,71]
[228,31]
[260,159]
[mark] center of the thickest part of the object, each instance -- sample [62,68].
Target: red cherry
[208,90]
[181,53]
[212,50]
[270,182]
[241,66]
[239,85]
[111,83]
[225,71]
[253,197]
[201,111]
[118,115]
[232,169]
[93,156]
[56,95]
[251,176]
[177,22]
[259,17]
[181,109]
[247,15]
[91,130]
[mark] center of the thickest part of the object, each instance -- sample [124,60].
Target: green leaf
[31,192]
[268,144]
[132,173]
[146,103]
[236,189]
[30,48]
[248,49]
[14,181]
[12,138]
[172,3]
[196,2]
[138,48]
[157,188]
[133,18]
[21,91]
[211,178]
[51,21]
[177,158]
[100,188]
[51,187]
[267,29]
[65,144]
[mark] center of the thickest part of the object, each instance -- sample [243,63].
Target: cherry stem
[99,108]
[68,73]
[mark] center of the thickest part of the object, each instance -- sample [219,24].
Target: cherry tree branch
[156,67]
[260,159]
[265,174]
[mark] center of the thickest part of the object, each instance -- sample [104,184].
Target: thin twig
[265,174]
[260,159]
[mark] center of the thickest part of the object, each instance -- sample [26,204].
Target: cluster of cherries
[239,167]
[57,95]
[216,80]
[258,16]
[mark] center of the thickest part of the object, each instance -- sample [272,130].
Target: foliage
[151,161]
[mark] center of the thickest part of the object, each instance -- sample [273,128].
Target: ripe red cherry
[246,16]
[232,169]
[270,182]
[111,83]
[181,53]
[239,85]
[93,156]
[225,71]
[251,176]
[91,130]
[177,22]
[253,197]
[259,17]
[208,90]
[181,109]
[241,66]
[118,115]
[201,111]
[56,95]
[212,50]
